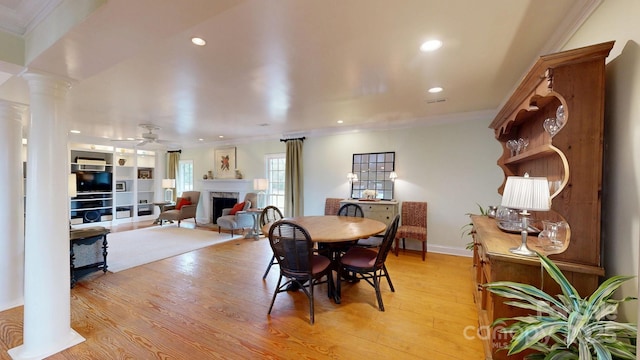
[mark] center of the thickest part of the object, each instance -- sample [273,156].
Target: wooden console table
[86,251]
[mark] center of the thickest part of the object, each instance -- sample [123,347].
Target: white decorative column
[47,304]
[11,217]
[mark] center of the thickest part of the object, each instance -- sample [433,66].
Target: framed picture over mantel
[225,163]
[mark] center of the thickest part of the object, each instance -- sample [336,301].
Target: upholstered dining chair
[293,248]
[369,264]
[331,206]
[186,207]
[268,216]
[414,224]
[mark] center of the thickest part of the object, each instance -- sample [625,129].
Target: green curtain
[293,188]
[172,168]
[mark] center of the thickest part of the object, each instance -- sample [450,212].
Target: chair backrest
[387,242]
[270,214]
[292,247]
[414,213]
[194,197]
[331,206]
[351,209]
[253,200]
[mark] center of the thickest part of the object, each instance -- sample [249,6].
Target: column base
[20,353]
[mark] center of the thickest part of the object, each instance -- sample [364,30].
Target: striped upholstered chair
[414,224]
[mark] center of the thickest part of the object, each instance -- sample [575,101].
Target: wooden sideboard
[569,86]
[381,210]
[494,262]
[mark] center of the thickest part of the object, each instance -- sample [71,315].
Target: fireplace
[222,188]
[222,200]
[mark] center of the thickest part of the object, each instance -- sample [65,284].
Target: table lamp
[260,185]
[168,185]
[526,193]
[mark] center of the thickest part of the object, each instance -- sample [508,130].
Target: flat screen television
[93,181]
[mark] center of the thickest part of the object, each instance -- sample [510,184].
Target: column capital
[48,84]
[11,110]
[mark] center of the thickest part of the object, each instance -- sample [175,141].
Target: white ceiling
[274,68]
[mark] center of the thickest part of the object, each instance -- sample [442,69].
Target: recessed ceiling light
[74,131]
[430,45]
[436,89]
[201,139]
[340,121]
[220,136]
[130,138]
[198,41]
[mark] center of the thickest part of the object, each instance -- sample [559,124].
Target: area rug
[128,249]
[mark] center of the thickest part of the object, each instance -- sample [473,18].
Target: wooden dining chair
[293,248]
[369,264]
[350,209]
[414,225]
[268,216]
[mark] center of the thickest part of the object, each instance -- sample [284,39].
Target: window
[276,175]
[185,176]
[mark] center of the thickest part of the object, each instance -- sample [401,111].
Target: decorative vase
[549,235]
[121,162]
[210,175]
[238,174]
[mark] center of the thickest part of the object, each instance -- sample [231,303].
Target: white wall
[451,166]
[617,20]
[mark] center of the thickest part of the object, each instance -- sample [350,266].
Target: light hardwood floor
[212,304]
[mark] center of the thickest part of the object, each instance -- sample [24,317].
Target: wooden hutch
[569,85]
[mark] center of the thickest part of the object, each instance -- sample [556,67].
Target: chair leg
[338,286]
[386,274]
[424,249]
[178,223]
[403,244]
[273,260]
[397,244]
[376,285]
[311,317]
[275,293]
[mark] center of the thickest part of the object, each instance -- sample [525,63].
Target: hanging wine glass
[551,126]
[512,145]
[560,116]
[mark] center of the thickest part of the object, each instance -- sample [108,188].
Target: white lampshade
[526,193]
[168,183]
[260,184]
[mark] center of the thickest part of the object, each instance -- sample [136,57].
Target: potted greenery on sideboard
[566,326]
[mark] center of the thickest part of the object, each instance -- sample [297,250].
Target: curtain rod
[174,151]
[301,139]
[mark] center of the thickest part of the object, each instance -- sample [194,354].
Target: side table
[86,251]
[255,231]
[162,206]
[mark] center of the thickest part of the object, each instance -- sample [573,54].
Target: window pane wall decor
[373,170]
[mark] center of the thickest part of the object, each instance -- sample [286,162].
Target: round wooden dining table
[333,228]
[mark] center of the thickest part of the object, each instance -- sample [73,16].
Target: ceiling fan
[149,137]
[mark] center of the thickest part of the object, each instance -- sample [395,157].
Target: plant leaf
[532,334]
[554,272]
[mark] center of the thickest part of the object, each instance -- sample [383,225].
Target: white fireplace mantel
[241,186]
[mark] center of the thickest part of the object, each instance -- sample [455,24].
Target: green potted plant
[567,326]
